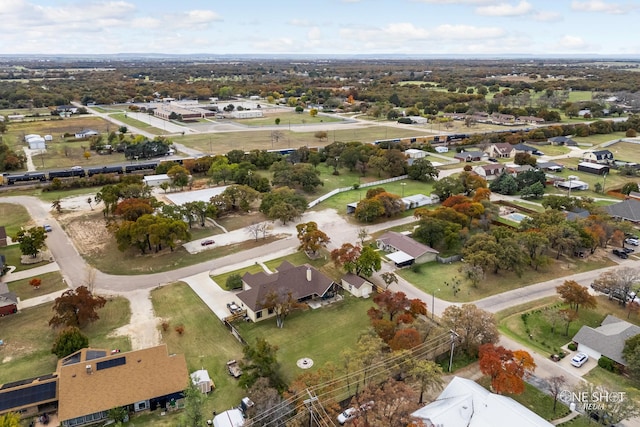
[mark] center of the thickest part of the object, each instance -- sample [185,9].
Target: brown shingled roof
[147,373]
[288,277]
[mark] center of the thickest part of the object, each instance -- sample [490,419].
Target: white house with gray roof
[404,250]
[607,339]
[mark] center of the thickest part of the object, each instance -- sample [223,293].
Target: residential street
[143,327]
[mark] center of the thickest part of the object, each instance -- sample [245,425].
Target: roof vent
[308,274]
[88,368]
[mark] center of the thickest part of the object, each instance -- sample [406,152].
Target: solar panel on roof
[111,363]
[28,396]
[74,358]
[17,383]
[95,354]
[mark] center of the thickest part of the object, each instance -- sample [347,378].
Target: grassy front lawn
[14,217]
[432,277]
[625,151]
[614,382]
[13,255]
[320,334]
[513,325]
[206,343]
[51,282]
[26,352]
[534,400]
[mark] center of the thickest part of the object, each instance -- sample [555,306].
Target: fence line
[343,189]
[448,260]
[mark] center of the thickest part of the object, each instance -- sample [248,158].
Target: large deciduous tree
[346,256]
[507,369]
[31,240]
[76,307]
[472,325]
[311,238]
[423,170]
[576,295]
[261,361]
[368,262]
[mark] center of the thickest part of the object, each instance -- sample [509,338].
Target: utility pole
[453,346]
[309,404]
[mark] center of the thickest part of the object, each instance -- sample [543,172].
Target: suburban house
[502,119]
[531,120]
[304,282]
[562,140]
[523,148]
[628,210]
[418,200]
[600,156]
[550,166]
[356,285]
[403,250]
[607,339]
[471,156]
[464,403]
[516,170]
[442,150]
[86,133]
[594,168]
[499,150]
[489,172]
[8,300]
[90,382]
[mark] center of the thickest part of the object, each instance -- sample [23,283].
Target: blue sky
[414,27]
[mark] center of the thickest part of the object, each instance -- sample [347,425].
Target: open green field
[51,282]
[124,118]
[286,119]
[320,335]
[14,217]
[26,352]
[433,276]
[614,382]
[580,95]
[544,341]
[206,343]
[222,143]
[25,111]
[597,139]
[402,188]
[625,151]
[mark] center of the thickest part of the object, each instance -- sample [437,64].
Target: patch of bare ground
[87,230]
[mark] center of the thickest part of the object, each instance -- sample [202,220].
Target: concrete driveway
[581,371]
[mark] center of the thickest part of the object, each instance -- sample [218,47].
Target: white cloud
[505,9]
[299,22]
[600,6]
[573,43]
[199,17]
[314,34]
[467,32]
[545,16]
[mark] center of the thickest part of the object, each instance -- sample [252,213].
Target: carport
[401,259]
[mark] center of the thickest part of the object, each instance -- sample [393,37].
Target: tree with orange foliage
[576,295]
[133,208]
[35,282]
[507,369]
[482,194]
[405,339]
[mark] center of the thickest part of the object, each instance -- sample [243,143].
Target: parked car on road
[47,228]
[579,359]
[620,254]
[207,242]
[632,241]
